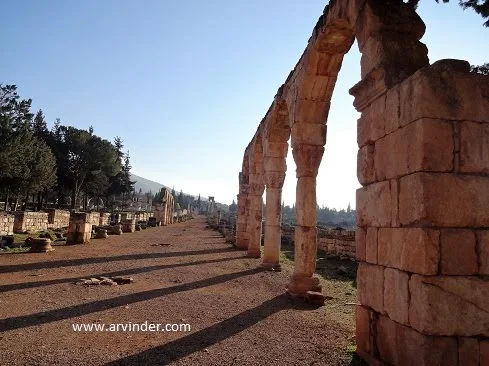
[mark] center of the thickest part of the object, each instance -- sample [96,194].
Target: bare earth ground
[239,315]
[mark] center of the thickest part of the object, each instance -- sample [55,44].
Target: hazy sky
[186,83]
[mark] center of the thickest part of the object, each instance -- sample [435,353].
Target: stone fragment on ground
[107,281]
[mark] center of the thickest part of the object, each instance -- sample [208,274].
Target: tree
[481,7]
[482,69]
[15,131]
[181,199]
[84,157]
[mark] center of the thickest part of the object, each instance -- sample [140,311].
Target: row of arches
[388,34]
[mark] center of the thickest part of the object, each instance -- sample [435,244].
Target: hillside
[146,185]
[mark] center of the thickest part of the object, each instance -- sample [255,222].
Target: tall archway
[423,223]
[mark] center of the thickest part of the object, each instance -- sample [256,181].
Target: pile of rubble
[107,281]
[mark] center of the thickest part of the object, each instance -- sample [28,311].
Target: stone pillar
[255,216]
[129,225]
[423,217]
[273,218]
[307,158]
[218,217]
[241,222]
[242,238]
[80,228]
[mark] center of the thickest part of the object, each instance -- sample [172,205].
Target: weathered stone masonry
[30,221]
[58,219]
[423,163]
[6,224]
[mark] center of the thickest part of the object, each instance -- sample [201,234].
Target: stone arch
[384,31]
[422,238]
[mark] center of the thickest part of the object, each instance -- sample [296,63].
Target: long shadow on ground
[95,306]
[173,351]
[131,271]
[96,260]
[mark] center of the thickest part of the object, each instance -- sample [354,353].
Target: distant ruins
[422,213]
[81,227]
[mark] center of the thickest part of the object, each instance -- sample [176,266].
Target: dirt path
[238,315]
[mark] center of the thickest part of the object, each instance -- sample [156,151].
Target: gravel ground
[184,273]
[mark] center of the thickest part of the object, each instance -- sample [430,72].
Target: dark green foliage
[481,7]
[325,216]
[482,69]
[75,162]
[27,165]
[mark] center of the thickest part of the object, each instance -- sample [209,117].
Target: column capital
[257,184]
[307,159]
[244,189]
[257,189]
[274,179]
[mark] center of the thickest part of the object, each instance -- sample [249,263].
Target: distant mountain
[146,185]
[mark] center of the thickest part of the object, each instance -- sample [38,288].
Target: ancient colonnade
[423,162]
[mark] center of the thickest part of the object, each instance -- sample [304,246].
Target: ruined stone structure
[129,225]
[40,245]
[423,162]
[6,224]
[80,228]
[142,216]
[104,219]
[337,242]
[32,222]
[211,206]
[95,218]
[164,211]
[58,219]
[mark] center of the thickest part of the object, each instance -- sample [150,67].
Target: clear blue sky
[185,83]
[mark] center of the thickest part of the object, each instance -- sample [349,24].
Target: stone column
[255,215]
[242,239]
[80,228]
[307,159]
[273,235]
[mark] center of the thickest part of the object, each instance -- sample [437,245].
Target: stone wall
[423,217]
[337,242]
[30,221]
[58,219]
[95,218]
[6,224]
[127,216]
[141,216]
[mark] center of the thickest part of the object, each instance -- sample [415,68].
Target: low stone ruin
[40,245]
[101,233]
[6,224]
[58,219]
[129,225]
[30,221]
[80,229]
[337,242]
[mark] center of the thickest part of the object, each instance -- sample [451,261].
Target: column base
[273,267]
[299,286]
